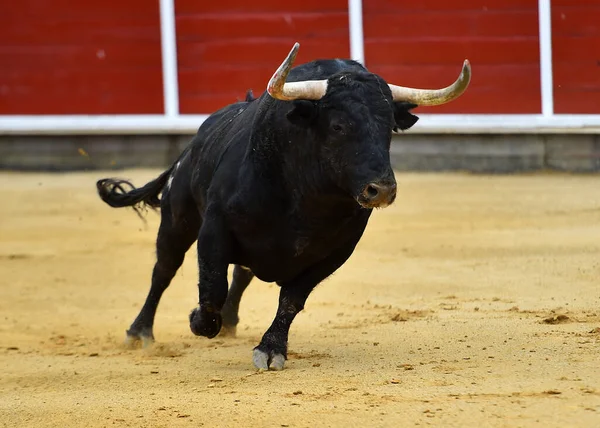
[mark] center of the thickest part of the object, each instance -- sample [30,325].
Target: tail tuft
[122,193]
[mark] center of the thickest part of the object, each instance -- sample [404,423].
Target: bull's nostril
[372,191]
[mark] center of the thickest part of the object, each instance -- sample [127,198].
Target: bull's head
[352,115]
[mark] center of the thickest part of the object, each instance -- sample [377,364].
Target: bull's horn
[306,90]
[434,97]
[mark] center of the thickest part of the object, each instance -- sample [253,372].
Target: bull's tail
[121,193]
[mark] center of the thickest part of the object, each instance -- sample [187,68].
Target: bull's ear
[303,113]
[402,115]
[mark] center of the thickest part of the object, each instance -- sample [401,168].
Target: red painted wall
[576,55]
[87,57]
[423,44]
[99,57]
[227,47]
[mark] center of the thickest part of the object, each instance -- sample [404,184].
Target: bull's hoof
[267,360]
[205,323]
[228,331]
[136,338]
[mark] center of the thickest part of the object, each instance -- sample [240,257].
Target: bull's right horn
[305,90]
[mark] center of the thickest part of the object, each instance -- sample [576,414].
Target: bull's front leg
[272,350]
[214,247]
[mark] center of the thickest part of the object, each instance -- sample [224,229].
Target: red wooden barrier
[225,48]
[98,57]
[576,55]
[88,57]
[423,44]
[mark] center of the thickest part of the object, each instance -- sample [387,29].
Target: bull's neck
[266,132]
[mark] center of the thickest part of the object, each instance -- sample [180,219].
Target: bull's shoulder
[218,151]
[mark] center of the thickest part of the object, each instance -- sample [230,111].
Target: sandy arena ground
[473,301]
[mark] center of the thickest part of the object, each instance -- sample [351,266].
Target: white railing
[357,40]
[172,122]
[546,81]
[168,44]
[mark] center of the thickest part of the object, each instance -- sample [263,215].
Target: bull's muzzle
[377,195]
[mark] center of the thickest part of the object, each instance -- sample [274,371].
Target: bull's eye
[337,128]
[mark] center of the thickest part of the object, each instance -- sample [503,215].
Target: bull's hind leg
[241,278]
[173,241]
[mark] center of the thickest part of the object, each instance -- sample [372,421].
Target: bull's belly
[280,270]
[282,264]
[280,254]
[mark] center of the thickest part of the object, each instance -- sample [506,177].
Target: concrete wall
[497,153]
[475,153]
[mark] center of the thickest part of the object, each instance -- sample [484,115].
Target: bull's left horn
[434,97]
[305,90]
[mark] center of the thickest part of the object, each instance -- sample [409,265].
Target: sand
[472,301]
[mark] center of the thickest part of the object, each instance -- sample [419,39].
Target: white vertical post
[357,42]
[168,42]
[545,21]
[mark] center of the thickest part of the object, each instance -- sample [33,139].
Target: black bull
[281,189]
